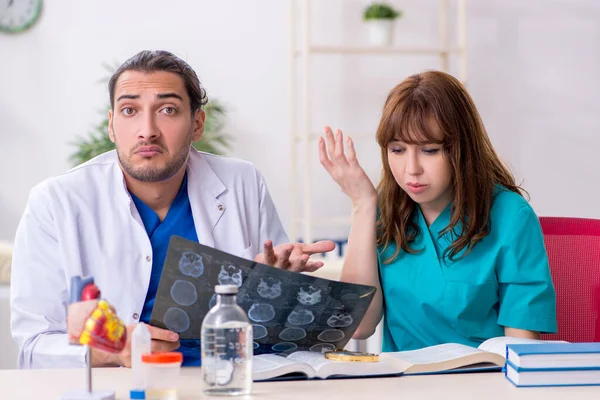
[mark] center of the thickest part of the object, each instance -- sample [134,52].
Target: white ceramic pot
[381,31]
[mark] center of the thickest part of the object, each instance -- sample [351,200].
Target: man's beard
[151,173]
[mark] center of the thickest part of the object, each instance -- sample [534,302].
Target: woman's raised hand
[345,169]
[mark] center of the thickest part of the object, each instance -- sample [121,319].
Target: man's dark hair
[161,60]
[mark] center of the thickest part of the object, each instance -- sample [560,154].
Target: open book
[449,357]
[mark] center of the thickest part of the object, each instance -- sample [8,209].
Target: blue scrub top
[179,221]
[503,282]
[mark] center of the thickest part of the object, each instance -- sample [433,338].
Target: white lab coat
[85,223]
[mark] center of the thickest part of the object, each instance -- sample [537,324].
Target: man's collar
[201,176]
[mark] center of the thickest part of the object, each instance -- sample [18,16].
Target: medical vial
[226,342]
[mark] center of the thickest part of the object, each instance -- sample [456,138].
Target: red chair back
[573,246]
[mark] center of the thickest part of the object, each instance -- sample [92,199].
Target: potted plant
[380,18]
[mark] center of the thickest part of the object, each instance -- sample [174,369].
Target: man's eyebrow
[129,96]
[169,95]
[160,96]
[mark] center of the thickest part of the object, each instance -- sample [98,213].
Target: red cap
[162,358]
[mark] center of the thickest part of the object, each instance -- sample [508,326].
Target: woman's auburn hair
[419,110]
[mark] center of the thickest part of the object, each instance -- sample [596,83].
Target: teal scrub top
[503,282]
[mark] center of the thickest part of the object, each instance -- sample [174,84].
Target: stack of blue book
[553,364]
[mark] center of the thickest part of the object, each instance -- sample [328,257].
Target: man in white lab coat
[112,217]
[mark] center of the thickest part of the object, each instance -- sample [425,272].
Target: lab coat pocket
[468,305]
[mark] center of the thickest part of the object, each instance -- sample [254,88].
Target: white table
[50,384]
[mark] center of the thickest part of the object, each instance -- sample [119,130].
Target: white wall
[535,78]
[533,73]
[49,93]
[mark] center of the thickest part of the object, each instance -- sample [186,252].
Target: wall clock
[19,15]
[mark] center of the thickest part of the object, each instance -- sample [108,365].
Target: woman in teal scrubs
[455,251]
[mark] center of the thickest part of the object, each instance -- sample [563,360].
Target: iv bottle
[141,343]
[226,342]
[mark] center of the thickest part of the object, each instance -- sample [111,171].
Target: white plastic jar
[161,375]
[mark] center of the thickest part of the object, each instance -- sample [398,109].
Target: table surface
[50,384]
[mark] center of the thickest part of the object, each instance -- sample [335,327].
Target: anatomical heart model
[99,329]
[104,330]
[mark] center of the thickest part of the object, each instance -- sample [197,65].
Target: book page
[267,366]
[312,358]
[439,358]
[498,344]
[434,354]
[327,368]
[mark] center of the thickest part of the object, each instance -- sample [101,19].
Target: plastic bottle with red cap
[162,372]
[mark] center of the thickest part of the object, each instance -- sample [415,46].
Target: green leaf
[381,11]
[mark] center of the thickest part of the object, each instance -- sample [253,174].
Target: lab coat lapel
[204,188]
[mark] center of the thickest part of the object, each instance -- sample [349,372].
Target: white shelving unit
[303,223]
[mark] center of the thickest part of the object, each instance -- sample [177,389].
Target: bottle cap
[162,358]
[141,333]
[137,394]
[226,289]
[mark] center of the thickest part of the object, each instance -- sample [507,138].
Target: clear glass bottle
[226,342]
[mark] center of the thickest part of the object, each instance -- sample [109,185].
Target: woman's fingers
[351,152]
[323,158]
[339,146]
[330,141]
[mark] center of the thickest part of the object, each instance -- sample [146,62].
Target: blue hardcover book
[551,377]
[554,356]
